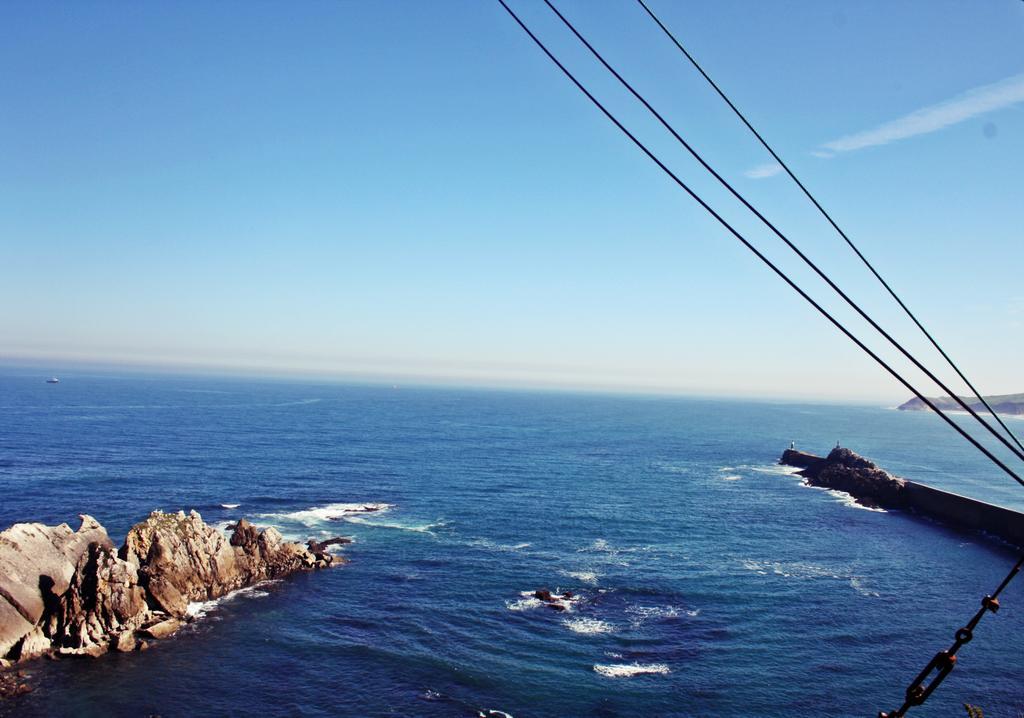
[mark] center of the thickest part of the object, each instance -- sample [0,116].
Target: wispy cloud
[972,103]
[762,171]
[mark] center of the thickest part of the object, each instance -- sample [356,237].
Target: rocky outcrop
[181,560]
[70,593]
[555,601]
[844,470]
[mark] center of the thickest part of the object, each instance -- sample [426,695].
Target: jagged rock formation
[1002,404]
[65,592]
[844,470]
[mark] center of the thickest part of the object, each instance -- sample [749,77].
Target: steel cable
[835,225]
[781,274]
[810,263]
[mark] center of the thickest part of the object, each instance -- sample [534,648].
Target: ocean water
[708,580]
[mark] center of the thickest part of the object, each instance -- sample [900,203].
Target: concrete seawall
[845,471]
[966,512]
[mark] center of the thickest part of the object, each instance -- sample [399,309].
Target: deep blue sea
[710,582]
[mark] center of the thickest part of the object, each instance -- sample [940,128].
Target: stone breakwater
[73,593]
[844,470]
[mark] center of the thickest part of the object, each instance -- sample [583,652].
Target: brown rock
[69,593]
[163,629]
[13,627]
[34,645]
[104,599]
[37,563]
[125,642]
[183,560]
[92,650]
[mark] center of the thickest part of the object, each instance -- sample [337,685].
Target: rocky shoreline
[72,593]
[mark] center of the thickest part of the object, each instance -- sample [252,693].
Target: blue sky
[410,191]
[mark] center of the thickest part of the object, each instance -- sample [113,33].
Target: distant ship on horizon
[53,380]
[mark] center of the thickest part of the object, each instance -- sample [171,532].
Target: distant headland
[1001,403]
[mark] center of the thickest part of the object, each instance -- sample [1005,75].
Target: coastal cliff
[72,593]
[1002,404]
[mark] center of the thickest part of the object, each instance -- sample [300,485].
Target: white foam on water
[524,604]
[417,528]
[230,506]
[857,583]
[731,477]
[199,609]
[587,577]
[847,500]
[641,614]
[487,543]
[777,469]
[588,626]
[754,566]
[793,569]
[809,571]
[330,512]
[603,546]
[844,498]
[628,670]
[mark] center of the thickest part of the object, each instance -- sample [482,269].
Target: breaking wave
[588,626]
[628,670]
[487,543]
[777,469]
[587,577]
[417,528]
[199,609]
[844,498]
[524,604]
[330,512]
[638,615]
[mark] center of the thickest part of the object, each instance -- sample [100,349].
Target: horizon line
[106,365]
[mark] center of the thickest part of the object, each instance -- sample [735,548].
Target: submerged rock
[69,593]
